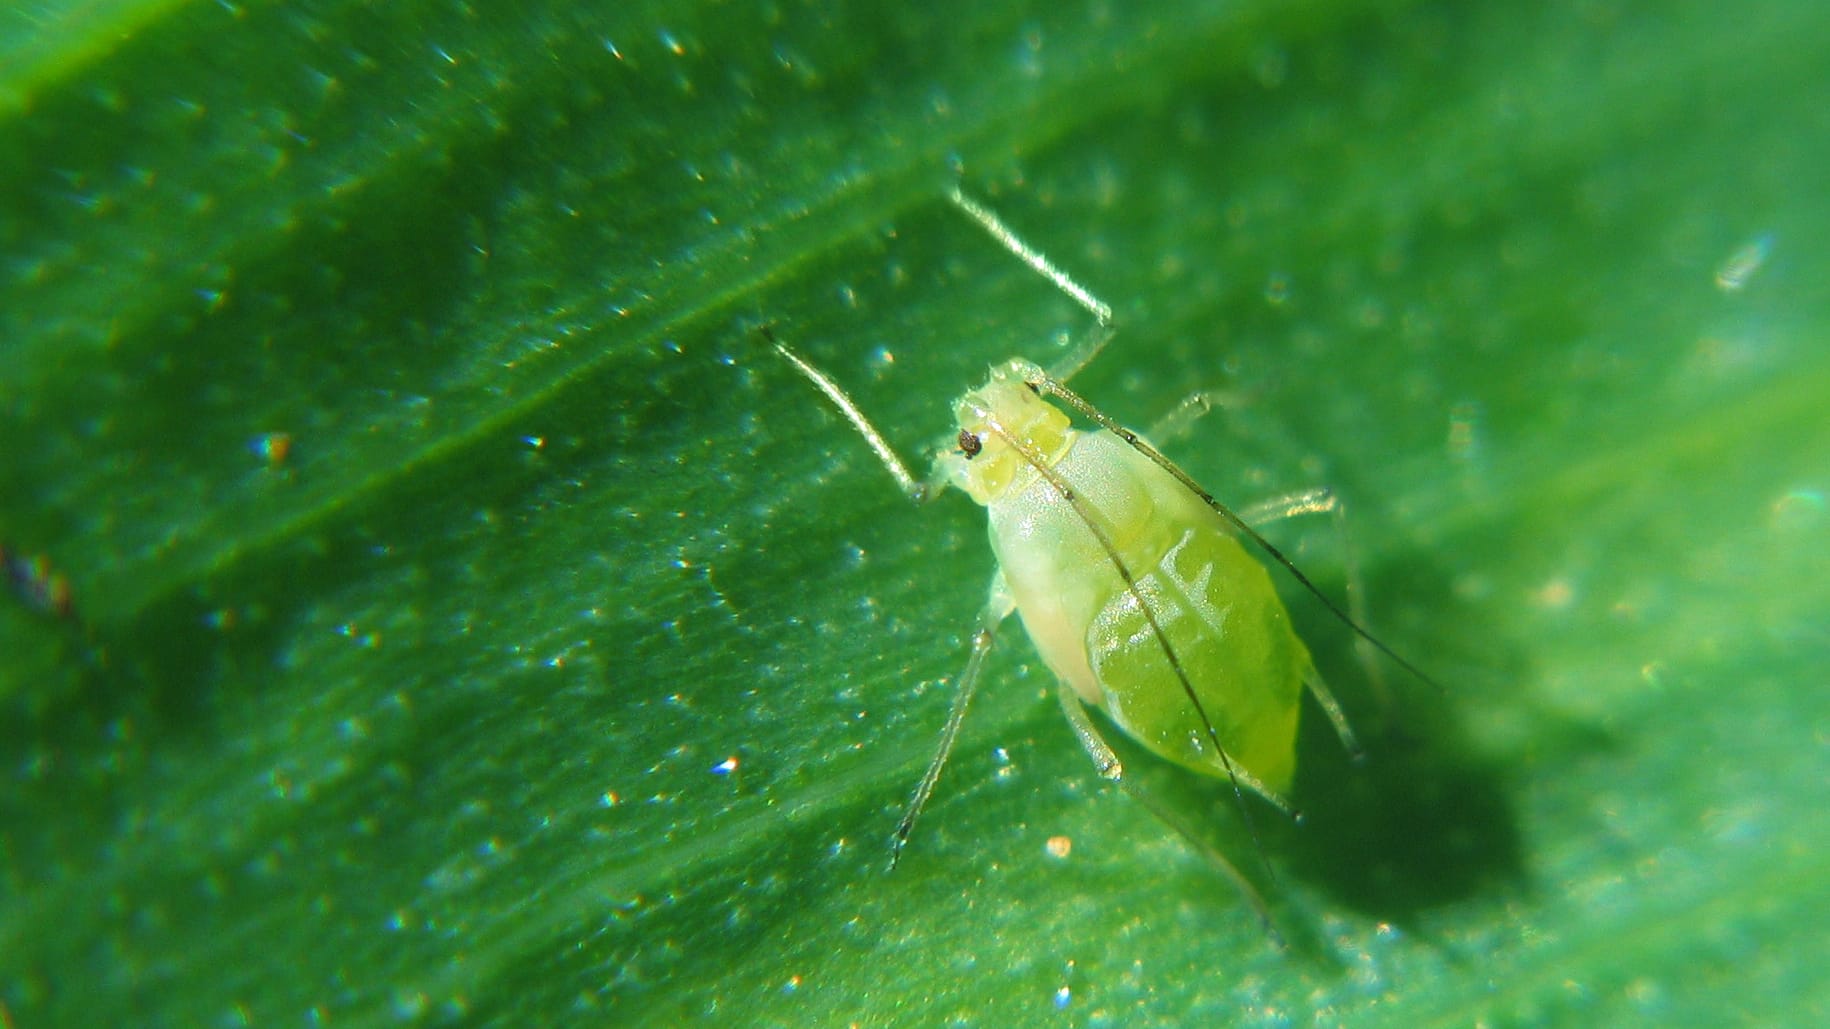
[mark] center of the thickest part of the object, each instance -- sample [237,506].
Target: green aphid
[1134,584]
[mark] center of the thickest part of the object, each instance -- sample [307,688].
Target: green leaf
[472,621]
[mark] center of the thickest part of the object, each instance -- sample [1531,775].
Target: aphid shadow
[1423,819]
[1420,822]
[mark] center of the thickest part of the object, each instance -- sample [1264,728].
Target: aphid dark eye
[969,444]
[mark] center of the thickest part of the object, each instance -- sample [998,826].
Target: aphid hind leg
[1106,762]
[1089,346]
[1322,500]
[1318,688]
[998,606]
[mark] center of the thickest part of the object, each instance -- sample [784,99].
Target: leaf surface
[473,621]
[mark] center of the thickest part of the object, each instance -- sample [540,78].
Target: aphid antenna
[997,608]
[1082,353]
[918,490]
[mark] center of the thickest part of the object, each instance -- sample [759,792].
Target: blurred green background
[473,622]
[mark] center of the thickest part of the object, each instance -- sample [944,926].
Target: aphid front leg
[1113,770]
[998,606]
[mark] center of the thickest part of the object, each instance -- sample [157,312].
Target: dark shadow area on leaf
[1425,819]
[1424,822]
[1419,823]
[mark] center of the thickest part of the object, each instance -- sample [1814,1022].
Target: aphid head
[990,417]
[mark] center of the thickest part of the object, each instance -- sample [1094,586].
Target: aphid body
[1212,601]
[1134,583]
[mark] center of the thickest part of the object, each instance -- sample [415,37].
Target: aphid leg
[1089,346]
[1112,770]
[1322,500]
[1318,688]
[1318,500]
[1189,410]
[918,490]
[1181,418]
[998,607]
[1082,353]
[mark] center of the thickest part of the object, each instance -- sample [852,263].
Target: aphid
[1133,582]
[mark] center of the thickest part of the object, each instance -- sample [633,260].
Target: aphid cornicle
[1134,584]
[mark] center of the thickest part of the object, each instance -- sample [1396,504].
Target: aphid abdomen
[1233,639]
[1213,601]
